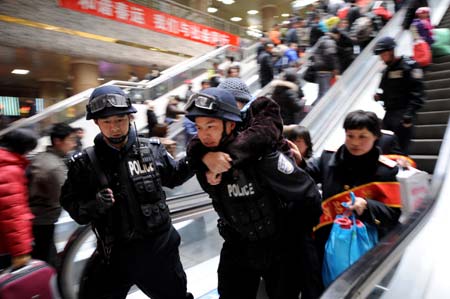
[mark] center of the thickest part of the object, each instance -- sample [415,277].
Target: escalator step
[429,131]
[432,118]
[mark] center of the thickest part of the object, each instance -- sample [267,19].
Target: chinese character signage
[137,15]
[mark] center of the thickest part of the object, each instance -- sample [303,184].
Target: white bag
[414,186]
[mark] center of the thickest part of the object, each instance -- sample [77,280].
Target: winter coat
[15,216]
[289,96]
[48,173]
[265,67]
[325,56]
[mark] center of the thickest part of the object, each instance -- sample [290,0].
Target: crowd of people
[250,156]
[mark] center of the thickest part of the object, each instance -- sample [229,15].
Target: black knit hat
[20,141]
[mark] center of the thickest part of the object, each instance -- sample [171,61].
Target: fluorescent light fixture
[212,9]
[227,2]
[286,22]
[252,12]
[20,72]
[101,79]
[236,19]
[285,15]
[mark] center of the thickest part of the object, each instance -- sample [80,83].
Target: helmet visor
[210,103]
[108,100]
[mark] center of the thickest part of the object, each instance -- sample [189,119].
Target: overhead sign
[144,17]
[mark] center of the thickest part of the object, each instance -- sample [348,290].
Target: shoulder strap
[99,172]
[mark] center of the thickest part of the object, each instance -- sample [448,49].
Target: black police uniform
[266,209]
[340,171]
[403,94]
[137,243]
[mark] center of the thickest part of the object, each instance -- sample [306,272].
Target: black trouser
[153,265]
[44,245]
[393,121]
[242,265]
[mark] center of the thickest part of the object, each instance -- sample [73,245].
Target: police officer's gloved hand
[105,199]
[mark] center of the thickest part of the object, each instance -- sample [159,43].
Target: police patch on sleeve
[285,165]
[417,73]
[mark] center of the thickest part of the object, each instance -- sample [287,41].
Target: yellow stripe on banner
[102,38]
[360,187]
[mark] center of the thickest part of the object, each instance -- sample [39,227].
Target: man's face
[387,56]
[233,73]
[114,126]
[67,144]
[210,130]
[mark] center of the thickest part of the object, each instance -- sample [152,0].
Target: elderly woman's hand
[359,206]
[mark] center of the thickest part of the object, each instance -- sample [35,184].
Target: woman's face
[301,144]
[359,141]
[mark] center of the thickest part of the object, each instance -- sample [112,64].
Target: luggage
[35,280]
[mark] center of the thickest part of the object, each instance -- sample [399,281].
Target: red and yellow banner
[144,17]
[385,192]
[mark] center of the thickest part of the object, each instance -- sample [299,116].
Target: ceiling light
[252,12]
[212,9]
[101,79]
[20,72]
[227,2]
[285,15]
[236,19]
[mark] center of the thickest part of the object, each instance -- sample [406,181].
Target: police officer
[266,208]
[136,242]
[402,91]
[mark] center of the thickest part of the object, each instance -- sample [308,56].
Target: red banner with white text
[144,17]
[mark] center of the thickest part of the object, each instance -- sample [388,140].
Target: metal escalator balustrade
[432,118]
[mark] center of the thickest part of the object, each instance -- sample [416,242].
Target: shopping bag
[349,239]
[422,53]
[414,186]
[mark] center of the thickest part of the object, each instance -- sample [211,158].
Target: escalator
[432,118]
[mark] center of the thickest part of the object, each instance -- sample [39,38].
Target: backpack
[361,30]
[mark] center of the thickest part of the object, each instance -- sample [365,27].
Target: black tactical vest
[248,208]
[147,188]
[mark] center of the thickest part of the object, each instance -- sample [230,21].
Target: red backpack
[422,53]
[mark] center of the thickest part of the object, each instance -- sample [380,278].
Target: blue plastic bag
[349,239]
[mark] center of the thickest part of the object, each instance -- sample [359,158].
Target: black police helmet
[107,101]
[222,105]
[386,43]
